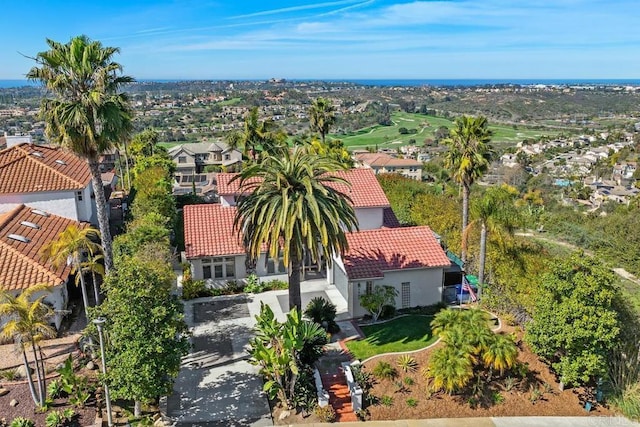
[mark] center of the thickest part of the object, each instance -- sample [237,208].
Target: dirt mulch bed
[27,409]
[515,402]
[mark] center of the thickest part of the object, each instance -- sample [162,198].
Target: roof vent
[39,212]
[19,238]
[37,154]
[30,224]
[61,162]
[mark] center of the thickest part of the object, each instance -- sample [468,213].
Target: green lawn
[402,334]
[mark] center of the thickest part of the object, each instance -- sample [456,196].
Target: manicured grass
[425,126]
[402,334]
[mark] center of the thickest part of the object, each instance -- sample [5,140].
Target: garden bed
[535,394]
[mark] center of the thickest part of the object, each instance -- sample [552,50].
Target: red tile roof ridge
[31,158]
[6,217]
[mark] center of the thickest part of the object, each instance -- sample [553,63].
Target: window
[219,268]
[271,268]
[406,294]
[206,272]
[79,195]
[227,157]
[369,287]
[182,159]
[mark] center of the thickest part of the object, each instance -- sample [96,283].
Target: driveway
[216,386]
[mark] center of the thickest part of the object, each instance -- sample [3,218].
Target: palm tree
[257,135]
[494,212]
[291,208]
[69,248]
[321,116]
[94,266]
[28,324]
[501,353]
[449,369]
[468,157]
[86,112]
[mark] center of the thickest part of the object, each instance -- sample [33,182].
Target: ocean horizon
[16,83]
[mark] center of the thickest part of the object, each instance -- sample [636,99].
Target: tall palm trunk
[103,216]
[41,394]
[137,408]
[465,219]
[295,300]
[96,291]
[483,256]
[83,287]
[27,371]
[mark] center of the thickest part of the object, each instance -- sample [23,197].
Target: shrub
[407,363]
[9,374]
[535,394]
[232,287]
[193,289]
[326,414]
[254,285]
[276,285]
[22,422]
[54,419]
[55,389]
[497,398]
[629,401]
[509,383]
[388,311]
[409,381]
[384,370]
[411,402]
[386,400]
[320,310]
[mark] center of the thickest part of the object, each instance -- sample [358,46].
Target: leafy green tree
[283,350]
[146,329]
[375,301]
[291,209]
[150,228]
[153,194]
[575,323]
[71,245]
[495,212]
[321,117]
[467,157]
[86,111]
[145,144]
[333,149]
[27,323]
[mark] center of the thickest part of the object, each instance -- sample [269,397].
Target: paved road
[216,386]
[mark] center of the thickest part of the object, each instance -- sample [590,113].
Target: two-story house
[23,232]
[384,163]
[201,157]
[407,258]
[48,178]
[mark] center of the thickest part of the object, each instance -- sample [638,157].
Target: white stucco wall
[58,299]
[240,271]
[58,203]
[426,288]
[369,218]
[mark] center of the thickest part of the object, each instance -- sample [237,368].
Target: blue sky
[333,39]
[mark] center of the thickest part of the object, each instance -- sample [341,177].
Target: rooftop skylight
[19,238]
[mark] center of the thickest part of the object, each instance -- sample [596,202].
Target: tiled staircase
[339,397]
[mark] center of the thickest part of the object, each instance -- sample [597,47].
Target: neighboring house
[191,159]
[23,232]
[408,258]
[203,183]
[47,178]
[384,163]
[8,141]
[367,197]
[108,160]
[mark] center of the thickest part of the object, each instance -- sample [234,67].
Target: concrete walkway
[496,422]
[216,386]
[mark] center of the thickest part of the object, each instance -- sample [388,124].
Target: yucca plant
[407,363]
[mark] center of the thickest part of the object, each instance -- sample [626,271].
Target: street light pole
[99,322]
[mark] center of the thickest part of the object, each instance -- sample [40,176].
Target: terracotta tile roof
[20,263]
[382,159]
[208,231]
[365,191]
[27,168]
[372,252]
